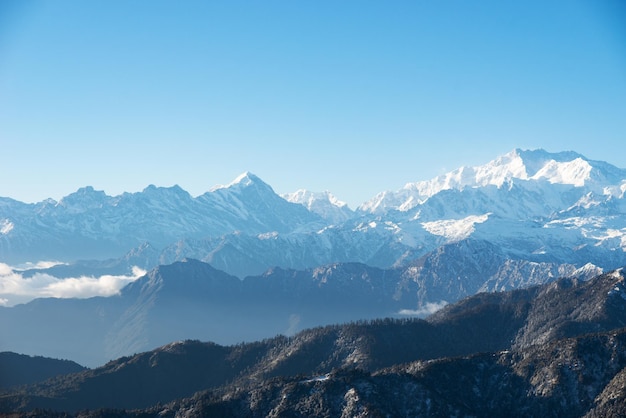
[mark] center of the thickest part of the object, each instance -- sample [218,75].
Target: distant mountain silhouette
[19,369]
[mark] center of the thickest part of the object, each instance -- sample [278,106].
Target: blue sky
[355,97]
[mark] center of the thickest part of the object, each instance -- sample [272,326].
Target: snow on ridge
[324,204]
[6,226]
[595,229]
[334,201]
[567,168]
[587,201]
[244,179]
[309,198]
[620,288]
[618,273]
[455,229]
[268,235]
[497,172]
[513,165]
[576,172]
[588,270]
[382,201]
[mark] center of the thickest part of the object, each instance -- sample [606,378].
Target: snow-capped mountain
[324,204]
[516,167]
[90,224]
[533,204]
[536,206]
[526,218]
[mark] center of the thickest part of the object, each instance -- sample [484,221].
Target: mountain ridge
[568,168]
[535,208]
[466,358]
[181,300]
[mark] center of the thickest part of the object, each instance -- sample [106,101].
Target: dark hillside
[18,369]
[552,350]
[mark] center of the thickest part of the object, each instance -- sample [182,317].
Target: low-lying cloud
[15,289]
[427,309]
[37,265]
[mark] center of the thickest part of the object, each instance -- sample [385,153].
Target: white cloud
[37,265]
[429,308]
[14,288]
[5,269]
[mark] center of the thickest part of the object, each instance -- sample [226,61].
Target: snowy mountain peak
[560,168]
[576,172]
[83,199]
[308,198]
[323,203]
[567,168]
[175,190]
[535,160]
[85,192]
[245,179]
[572,168]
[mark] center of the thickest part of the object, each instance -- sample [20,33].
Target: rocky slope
[550,350]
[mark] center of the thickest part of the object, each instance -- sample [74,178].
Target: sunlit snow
[563,168]
[575,172]
[244,179]
[455,229]
[308,198]
[268,235]
[6,226]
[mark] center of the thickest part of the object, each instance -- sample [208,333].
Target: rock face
[550,350]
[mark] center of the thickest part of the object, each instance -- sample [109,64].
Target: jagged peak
[86,196]
[567,168]
[535,160]
[85,191]
[307,198]
[175,189]
[244,180]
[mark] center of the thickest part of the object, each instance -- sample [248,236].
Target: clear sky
[355,97]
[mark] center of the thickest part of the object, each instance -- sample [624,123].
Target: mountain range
[273,265]
[550,350]
[192,300]
[533,205]
[505,262]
